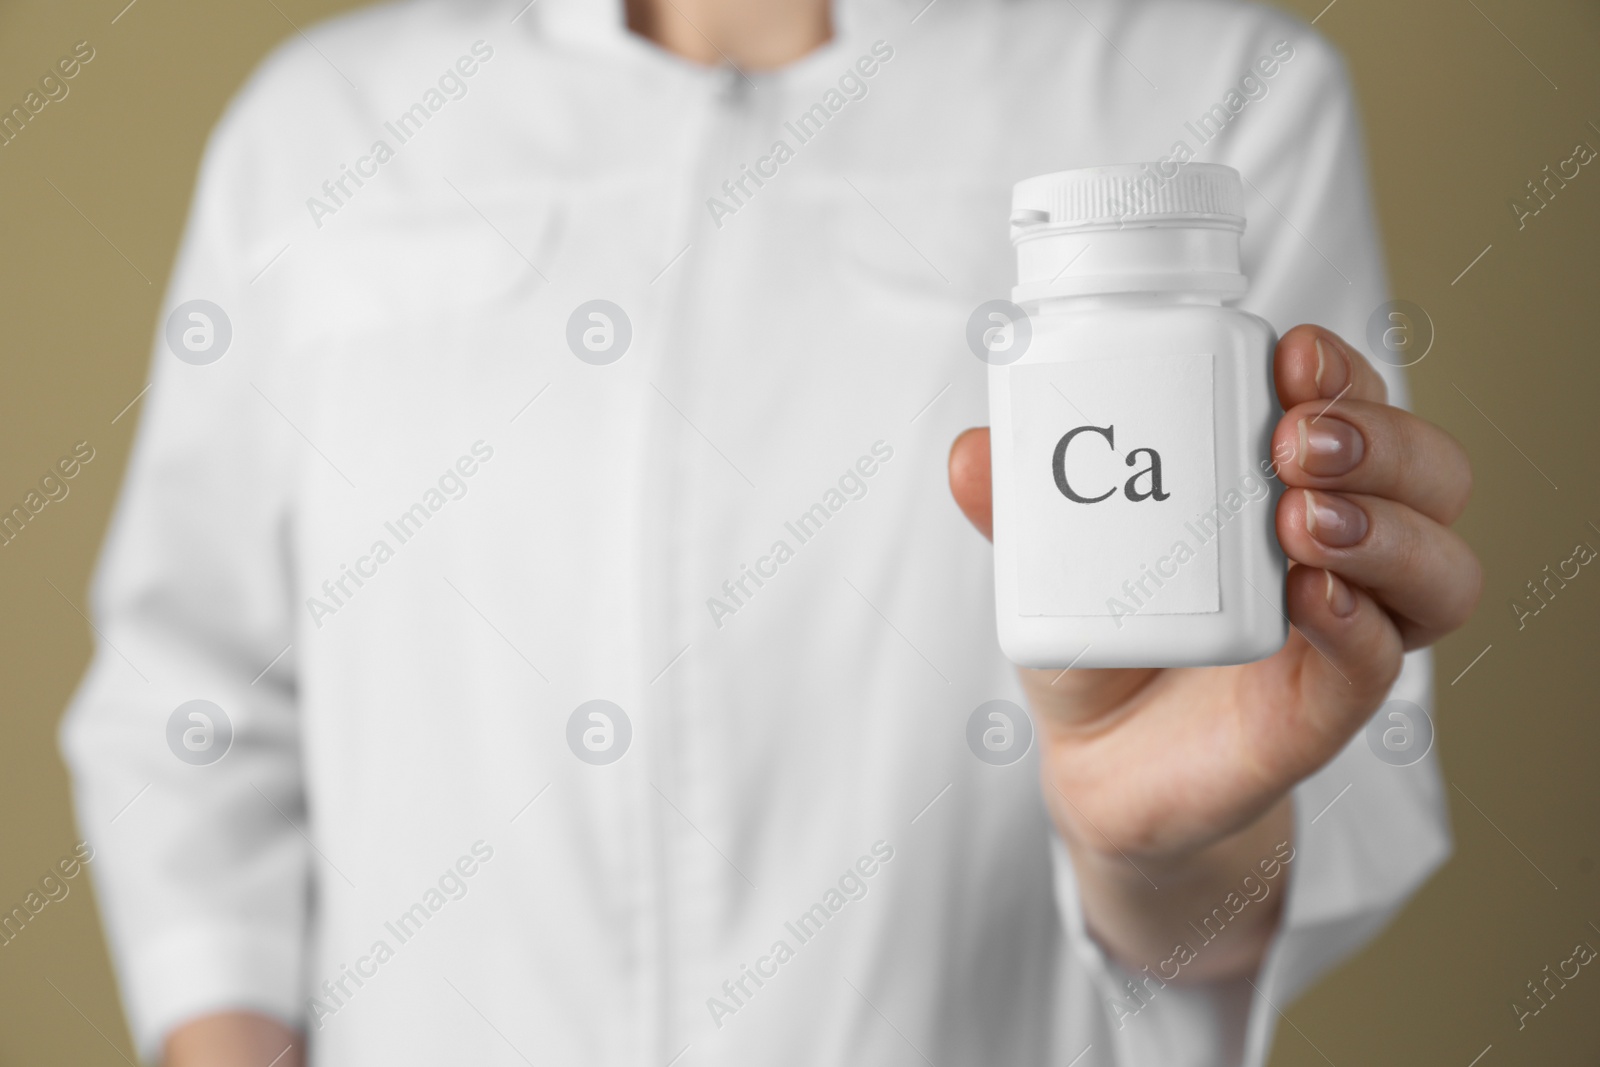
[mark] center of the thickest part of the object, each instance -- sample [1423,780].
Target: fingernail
[1333,368]
[1334,520]
[1341,601]
[1329,446]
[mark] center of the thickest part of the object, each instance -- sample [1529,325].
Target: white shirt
[400,773]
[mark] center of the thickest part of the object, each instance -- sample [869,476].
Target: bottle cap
[1127,195]
[1134,228]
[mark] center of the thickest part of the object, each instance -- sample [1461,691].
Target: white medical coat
[400,772]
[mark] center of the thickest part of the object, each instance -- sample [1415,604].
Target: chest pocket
[381,271]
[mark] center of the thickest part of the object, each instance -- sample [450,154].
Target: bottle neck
[1066,305]
[1194,256]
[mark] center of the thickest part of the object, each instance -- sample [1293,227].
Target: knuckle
[1369,382]
[1411,550]
[1461,480]
[1469,588]
[1408,465]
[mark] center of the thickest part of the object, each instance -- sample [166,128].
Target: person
[551,509]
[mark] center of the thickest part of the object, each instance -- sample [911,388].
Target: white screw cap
[1127,193]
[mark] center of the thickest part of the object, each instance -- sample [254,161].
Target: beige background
[1459,118]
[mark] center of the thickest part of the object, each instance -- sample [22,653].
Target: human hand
[234,1039]
[1181,777]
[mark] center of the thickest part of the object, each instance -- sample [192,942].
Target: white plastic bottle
[1131,416]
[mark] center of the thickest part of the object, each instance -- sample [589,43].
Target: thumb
[969,478]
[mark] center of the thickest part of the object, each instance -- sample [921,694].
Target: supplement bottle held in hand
[1131,414]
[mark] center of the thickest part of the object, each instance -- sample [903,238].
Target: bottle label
[1115,483]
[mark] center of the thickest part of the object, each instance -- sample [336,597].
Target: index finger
[1312,363]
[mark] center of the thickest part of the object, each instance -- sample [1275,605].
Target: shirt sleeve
[1368,833]
[201,863]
